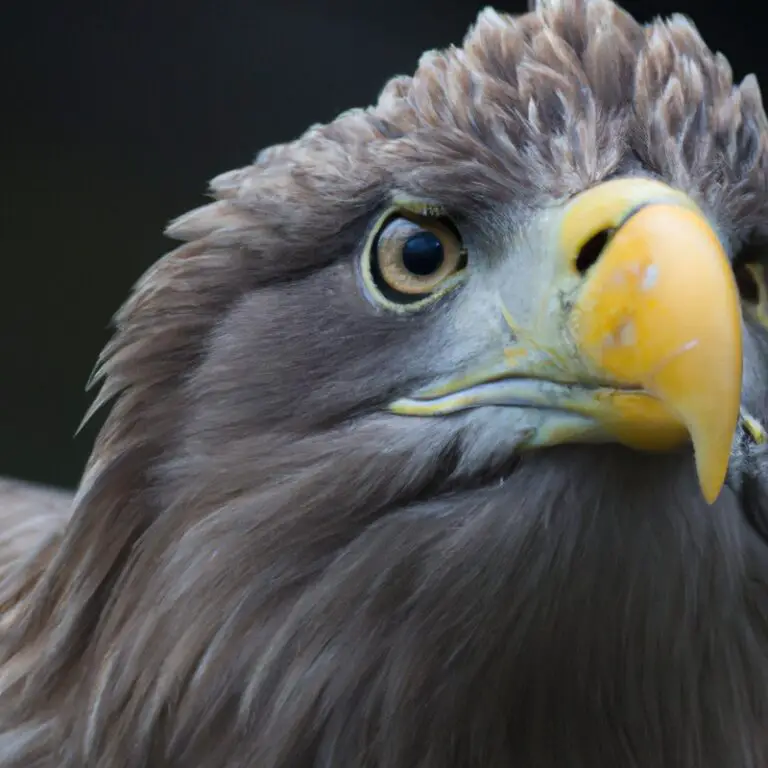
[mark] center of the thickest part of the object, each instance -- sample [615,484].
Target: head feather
[528,110]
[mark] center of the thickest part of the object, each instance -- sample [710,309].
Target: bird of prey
[437,443]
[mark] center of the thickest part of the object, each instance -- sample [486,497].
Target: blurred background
[115,115]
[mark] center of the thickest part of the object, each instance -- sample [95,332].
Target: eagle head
[438,440]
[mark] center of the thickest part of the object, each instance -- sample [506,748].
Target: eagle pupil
[423,254]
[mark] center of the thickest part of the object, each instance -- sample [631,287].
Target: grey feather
[263,569]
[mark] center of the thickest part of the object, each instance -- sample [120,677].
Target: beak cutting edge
[641,346]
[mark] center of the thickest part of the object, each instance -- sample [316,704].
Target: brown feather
[260,570]
[31,517]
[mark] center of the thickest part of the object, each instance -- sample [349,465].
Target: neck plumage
[540,620]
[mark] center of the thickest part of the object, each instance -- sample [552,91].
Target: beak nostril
[591,250]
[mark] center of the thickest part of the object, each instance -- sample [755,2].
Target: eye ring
[410,260]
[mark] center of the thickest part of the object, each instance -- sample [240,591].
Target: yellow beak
[637,336]
[660,310]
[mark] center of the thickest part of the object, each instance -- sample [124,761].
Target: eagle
[437,442]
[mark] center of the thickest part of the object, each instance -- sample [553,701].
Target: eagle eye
[747,283]
[749,269]
[412,259]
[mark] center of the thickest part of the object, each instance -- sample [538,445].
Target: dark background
[114,116]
